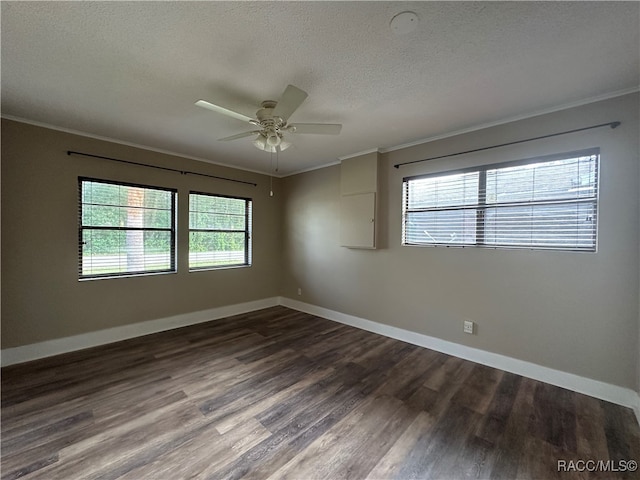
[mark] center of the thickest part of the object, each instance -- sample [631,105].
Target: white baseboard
[605,391]
[594,388]
[57,346]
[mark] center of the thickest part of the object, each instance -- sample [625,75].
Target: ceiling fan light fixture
[284,145]
[260,142]
[272,119]
[273,139]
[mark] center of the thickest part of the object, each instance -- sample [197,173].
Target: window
[219,231]
[125,229]
[546,203]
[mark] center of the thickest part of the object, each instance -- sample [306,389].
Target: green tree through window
[125,229]
[219,231]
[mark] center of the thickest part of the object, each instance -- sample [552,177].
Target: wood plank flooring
[279,394]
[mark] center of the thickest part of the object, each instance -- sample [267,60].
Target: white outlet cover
[468,326]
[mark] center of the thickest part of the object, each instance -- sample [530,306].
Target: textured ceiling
[131,71]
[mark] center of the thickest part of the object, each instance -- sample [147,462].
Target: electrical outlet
[468,327]
[299,291]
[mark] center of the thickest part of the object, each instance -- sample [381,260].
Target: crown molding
[311,169]
[482,126]
[130,144]
[381,150]
[359,154]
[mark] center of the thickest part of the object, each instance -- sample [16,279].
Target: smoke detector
[403,23]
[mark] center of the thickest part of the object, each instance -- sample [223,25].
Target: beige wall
[575,312]
[42,298]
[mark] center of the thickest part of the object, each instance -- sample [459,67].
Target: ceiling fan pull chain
[271,177]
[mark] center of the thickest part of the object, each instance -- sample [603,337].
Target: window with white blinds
[542,203]
[219,231]
[125,229]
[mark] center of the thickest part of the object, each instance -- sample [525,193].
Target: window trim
[248,233]
[173,230]
[481,205]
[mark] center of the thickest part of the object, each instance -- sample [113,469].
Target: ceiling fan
[273,121]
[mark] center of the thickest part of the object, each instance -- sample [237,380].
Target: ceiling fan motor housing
[272,126]
[267,120]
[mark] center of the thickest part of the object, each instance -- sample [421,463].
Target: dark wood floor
[282,394]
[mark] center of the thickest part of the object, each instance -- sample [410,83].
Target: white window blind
[125,229]
[219,231]
[547,203]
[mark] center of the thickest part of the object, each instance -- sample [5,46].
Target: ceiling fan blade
[317,128]
[222,110]
[291,99]
[239,135]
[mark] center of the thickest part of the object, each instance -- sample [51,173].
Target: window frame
[173,268]
[248,232]
[481,206]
